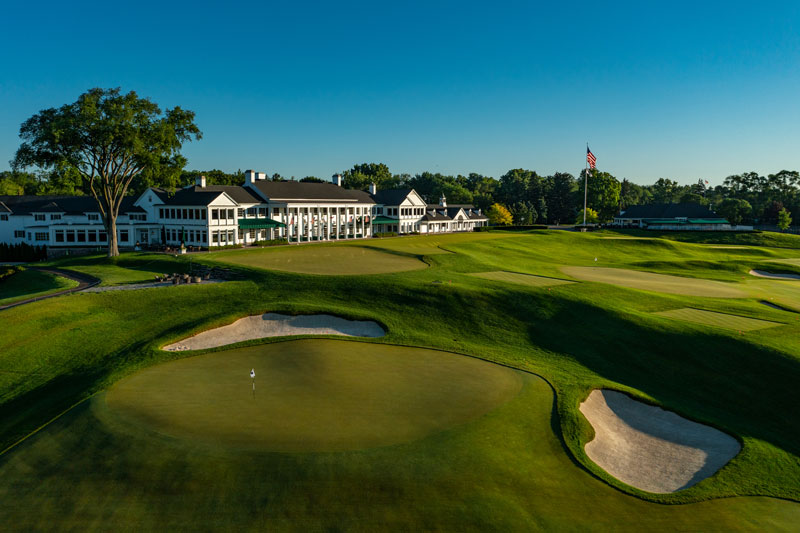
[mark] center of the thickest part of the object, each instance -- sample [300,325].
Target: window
[185,214]
[203,214]
[123,235]
[215,237]
[241,234]
[160,212]
[230,214]
[101,236]
[91,236]
[252,234]
[137,216]
[262,212]
[70,235]
[55,217]
[191,214]
[4,218]
[19,234]
[172,213]
[222,237]
[215,214]
[42,236]
[223,214]
[231,236]
[38,218]
[205,237]
[59,235]
[81,235]
[93,217]
[240,212]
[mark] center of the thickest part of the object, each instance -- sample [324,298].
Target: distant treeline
[528,196]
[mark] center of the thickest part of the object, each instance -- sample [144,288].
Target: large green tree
[110,139]
[603,194]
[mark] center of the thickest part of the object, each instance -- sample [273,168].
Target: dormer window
[55,217]
[38,217]
[93,216]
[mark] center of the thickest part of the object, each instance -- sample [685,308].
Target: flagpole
[585,185]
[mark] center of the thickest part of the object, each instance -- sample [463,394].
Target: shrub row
[22,252]
[273,242]
[386,234]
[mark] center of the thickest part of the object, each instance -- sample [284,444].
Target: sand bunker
[650,448]
[277,325]
[649,281]
[770,275]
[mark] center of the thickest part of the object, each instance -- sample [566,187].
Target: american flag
[590,158]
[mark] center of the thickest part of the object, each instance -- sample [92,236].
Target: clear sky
[675,89]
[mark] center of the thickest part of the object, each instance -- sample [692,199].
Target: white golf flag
[253,373]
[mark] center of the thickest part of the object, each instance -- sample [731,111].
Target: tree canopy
[106,140]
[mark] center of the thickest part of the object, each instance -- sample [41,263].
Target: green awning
[260,223]
[384,220]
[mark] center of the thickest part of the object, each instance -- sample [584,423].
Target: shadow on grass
[741,387]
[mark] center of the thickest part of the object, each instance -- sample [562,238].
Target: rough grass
[514,472]
[30,284]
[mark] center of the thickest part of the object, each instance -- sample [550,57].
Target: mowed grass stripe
[649,281]
[521,279]
[719,320]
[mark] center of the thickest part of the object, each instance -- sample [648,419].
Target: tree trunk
[111,231]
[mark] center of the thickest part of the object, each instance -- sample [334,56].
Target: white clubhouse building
[208,216]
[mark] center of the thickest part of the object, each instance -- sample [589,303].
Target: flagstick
[585,185]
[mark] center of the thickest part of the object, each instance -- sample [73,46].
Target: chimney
[337,180]
[200,181]
[373,189]
[443,201]
[249,177]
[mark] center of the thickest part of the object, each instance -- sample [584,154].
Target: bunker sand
[771,275]
[648,281]
[277,325]
[650,448]
[312,395]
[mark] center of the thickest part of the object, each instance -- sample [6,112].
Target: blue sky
[683,90]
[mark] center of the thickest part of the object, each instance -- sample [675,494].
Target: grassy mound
[718,320]
[522,279]
[30,284]
[648,281]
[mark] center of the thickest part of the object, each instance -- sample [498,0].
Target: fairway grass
[318,259]
[648,281]
[522,279]
[313,395]
[718,320]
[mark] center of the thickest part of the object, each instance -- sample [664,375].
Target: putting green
[328,260]
[719,320]
[648,281]
[313,395]
[521,279]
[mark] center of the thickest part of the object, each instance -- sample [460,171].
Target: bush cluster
[22,253]
[8,271]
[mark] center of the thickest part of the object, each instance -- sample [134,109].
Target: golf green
[313,395]
[327,260]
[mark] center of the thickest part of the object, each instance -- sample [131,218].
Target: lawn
[323,259]
[519,466]
[32,283]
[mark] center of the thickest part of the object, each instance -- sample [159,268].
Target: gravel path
[150,285]
[277,325]
[650,448]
